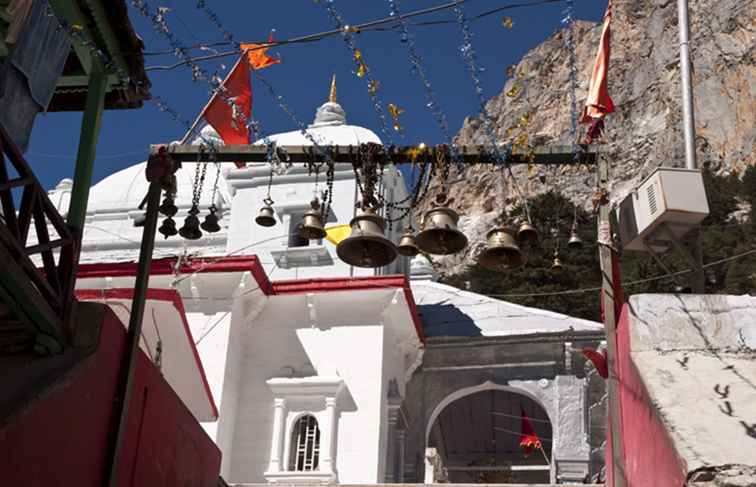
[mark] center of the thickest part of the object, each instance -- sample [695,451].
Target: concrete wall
[536,366]
[62,437]
[283,341]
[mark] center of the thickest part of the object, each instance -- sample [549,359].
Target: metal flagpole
[686,85]
[694,243]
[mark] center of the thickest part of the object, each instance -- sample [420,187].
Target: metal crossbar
[470,154]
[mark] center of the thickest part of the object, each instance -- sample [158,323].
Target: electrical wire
[373,25]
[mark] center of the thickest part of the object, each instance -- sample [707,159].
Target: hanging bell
[168,207]
[210,225]
[502,251]
[366,246]
[266,217]
[575,242]
[190,230]
[527,234]
[168,228]
[407,245]
[440,235]
[556,265]
[312,223]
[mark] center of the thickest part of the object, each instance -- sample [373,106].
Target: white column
[276,444]
[391,450]
[328,438]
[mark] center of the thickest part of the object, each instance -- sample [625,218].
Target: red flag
[599,103]
[599,361]
[529,441]
[228,113]
[257,54]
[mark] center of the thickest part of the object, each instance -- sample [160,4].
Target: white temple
[304,369]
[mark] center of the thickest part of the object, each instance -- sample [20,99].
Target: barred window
[305,445]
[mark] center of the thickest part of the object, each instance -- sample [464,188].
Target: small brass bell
[312,223]
[407,245]
[210,225]
[266,217]
[575,242]
[366,246]
[556,265]
[168,228]
[502,251]
[190,230]
[440,235]
[168,207]
[527,234]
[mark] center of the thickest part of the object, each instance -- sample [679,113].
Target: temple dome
[329,128]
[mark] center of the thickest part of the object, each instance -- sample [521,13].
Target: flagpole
[212,98]
[544,455]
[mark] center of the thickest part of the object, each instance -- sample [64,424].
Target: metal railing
[40,298]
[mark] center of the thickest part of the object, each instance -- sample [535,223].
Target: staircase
[35,303]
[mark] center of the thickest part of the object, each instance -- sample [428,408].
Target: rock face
[644,82]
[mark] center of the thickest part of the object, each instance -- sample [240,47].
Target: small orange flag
[257,54]
[599,103]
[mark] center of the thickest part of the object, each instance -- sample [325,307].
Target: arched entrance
[477,435]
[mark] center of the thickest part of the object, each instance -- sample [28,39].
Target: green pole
[90,132]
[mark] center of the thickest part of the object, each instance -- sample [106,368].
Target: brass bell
[210,225]
[168,228]
[502,251]
[266,217]
[440,235]
[190,230]
[407,245]
[168,207]
[527,234]
[312,223]
[556,265]
[575,242]
[366,246]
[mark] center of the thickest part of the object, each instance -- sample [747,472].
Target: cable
[624,284]
[373,25]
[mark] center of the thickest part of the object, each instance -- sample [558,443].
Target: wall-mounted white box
[668,204]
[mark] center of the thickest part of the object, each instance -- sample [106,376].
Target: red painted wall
[62,438]
[650,456]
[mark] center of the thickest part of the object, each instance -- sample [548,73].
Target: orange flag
[257,54]
[599,103]
[529,441]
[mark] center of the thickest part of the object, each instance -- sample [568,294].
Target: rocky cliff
[645,131]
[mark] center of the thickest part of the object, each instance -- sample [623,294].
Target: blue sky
[304,76]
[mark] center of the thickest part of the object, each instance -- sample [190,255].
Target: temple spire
[332,95]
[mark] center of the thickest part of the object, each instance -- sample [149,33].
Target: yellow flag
[337,233]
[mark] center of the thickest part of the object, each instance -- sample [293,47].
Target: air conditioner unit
[667,205]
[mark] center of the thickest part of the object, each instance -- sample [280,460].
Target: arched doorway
[477,436]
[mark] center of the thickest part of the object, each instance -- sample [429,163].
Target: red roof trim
[166,266]
[170,295]
[336,284]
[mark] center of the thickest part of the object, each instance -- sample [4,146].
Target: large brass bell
[267,216]
[556,265]
[190,230]
[502,251]
[168,207]
[440,235]
[366,246]
[407,245]
[575,242]
[168,228]
[527,234]
[210,225]
[312,223]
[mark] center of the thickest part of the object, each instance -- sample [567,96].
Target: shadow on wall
[446,320]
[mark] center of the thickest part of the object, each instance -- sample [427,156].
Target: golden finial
[332,95]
